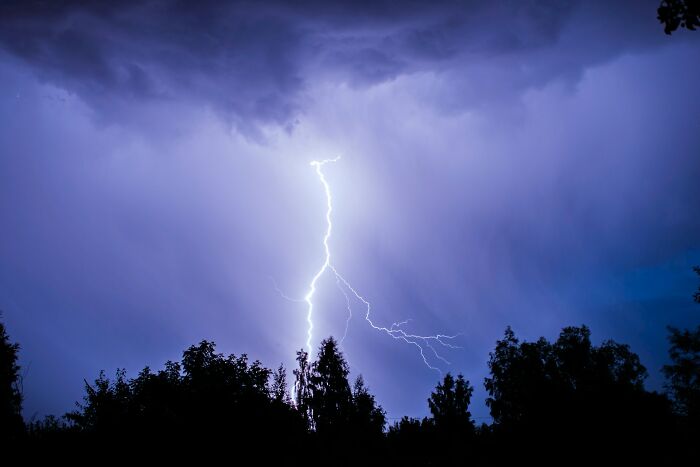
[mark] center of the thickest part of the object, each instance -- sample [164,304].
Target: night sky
[523,163]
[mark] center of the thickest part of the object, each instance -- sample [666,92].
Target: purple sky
[532,164]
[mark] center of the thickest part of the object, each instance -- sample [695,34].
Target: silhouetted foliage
[573,393]
[11,424]
[445,437]
[451,424]
[279,386]
[302,387]
[567,401]
[449,404]
[413,441]
[206,398]
[683,373]
[675,13]
[367,418]
[683,385]
[340,417]
[331,398]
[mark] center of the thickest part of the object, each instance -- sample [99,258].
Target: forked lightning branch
[426,345]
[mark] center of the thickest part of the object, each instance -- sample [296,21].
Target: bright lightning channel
[327,258]
[395,331]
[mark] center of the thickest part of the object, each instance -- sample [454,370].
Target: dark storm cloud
[252,61]
[242,64]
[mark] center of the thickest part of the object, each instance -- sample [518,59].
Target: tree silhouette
[302,387]
[683,385]
[529,379]
[11,424]
[571,394]
[675,13]
[341,420]
[413,441]
[451,427]
[367,418]
[279,386]
[444,438]
[567,401]
[207,400]
[105,407]
[449,405]
[683,381]
[331,398]
[683,373]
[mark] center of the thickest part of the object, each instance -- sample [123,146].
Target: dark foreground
[562,402]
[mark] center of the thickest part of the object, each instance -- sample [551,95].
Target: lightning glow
[395,331]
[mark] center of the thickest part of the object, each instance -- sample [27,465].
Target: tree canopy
[683,373]
[340,416]
[10,395]
[551,402]
[679,13]
[572,392]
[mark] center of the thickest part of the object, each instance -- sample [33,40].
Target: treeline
[566,401]
[561,402]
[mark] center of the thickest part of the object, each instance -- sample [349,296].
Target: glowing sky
[532,164]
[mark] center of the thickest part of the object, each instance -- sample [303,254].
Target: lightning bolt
[395,331]
[327,258]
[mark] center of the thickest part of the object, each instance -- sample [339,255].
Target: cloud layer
[257,63]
